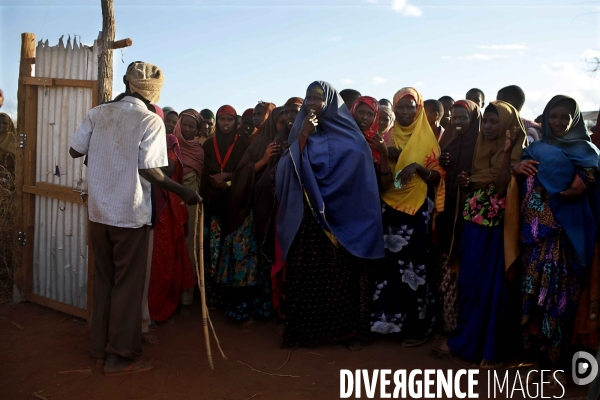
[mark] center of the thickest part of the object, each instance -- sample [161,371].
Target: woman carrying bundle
[559,214]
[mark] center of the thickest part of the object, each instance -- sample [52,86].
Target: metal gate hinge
[22,238]
[22,140]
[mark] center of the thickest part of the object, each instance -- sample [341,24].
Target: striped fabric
[120,138]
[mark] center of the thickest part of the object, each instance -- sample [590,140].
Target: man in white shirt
[126,147]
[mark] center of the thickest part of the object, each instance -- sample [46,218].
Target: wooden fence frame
[26,187]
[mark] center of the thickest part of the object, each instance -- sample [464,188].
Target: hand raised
[310,123]
[272,149]
[378,144]
[511,139]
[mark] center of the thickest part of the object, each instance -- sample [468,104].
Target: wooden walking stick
[212,328]
[200,276]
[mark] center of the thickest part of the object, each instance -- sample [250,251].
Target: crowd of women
[346,218]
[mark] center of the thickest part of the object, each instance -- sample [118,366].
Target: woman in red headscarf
[172,272]
[222,154]
[365,111]
[246,126]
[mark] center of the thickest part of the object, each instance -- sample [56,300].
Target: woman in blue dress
[483,287]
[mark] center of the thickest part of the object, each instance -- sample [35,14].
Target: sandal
[487,364]
[413,342]
[133,368]
[149,339]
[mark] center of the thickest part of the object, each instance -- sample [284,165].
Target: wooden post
[105,64]
[25,70]
[120,44]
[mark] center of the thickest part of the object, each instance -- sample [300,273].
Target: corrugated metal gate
[57,268]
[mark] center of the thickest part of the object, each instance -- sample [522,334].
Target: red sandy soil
[50,341]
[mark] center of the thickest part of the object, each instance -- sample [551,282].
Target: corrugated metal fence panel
[60,251]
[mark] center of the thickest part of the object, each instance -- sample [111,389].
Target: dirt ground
[51,342]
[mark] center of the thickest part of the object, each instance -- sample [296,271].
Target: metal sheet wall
[60,257]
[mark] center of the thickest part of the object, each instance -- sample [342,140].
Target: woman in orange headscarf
[403,300]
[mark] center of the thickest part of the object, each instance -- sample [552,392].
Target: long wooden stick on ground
[200,276]
[212,328]
[215,335]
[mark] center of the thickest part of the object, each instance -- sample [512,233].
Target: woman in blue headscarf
[328,224]
[559,214]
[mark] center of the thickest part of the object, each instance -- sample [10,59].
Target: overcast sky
[216,52]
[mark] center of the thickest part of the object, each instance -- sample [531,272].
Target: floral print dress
[236,267]
[483,289]
[403,303]
[550,289]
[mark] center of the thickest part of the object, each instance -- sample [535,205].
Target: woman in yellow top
[403,300]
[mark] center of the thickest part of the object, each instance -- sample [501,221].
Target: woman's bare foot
[149,339]
[532,377]
[558,380]
[245,326]
[352,344]
[444,348]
